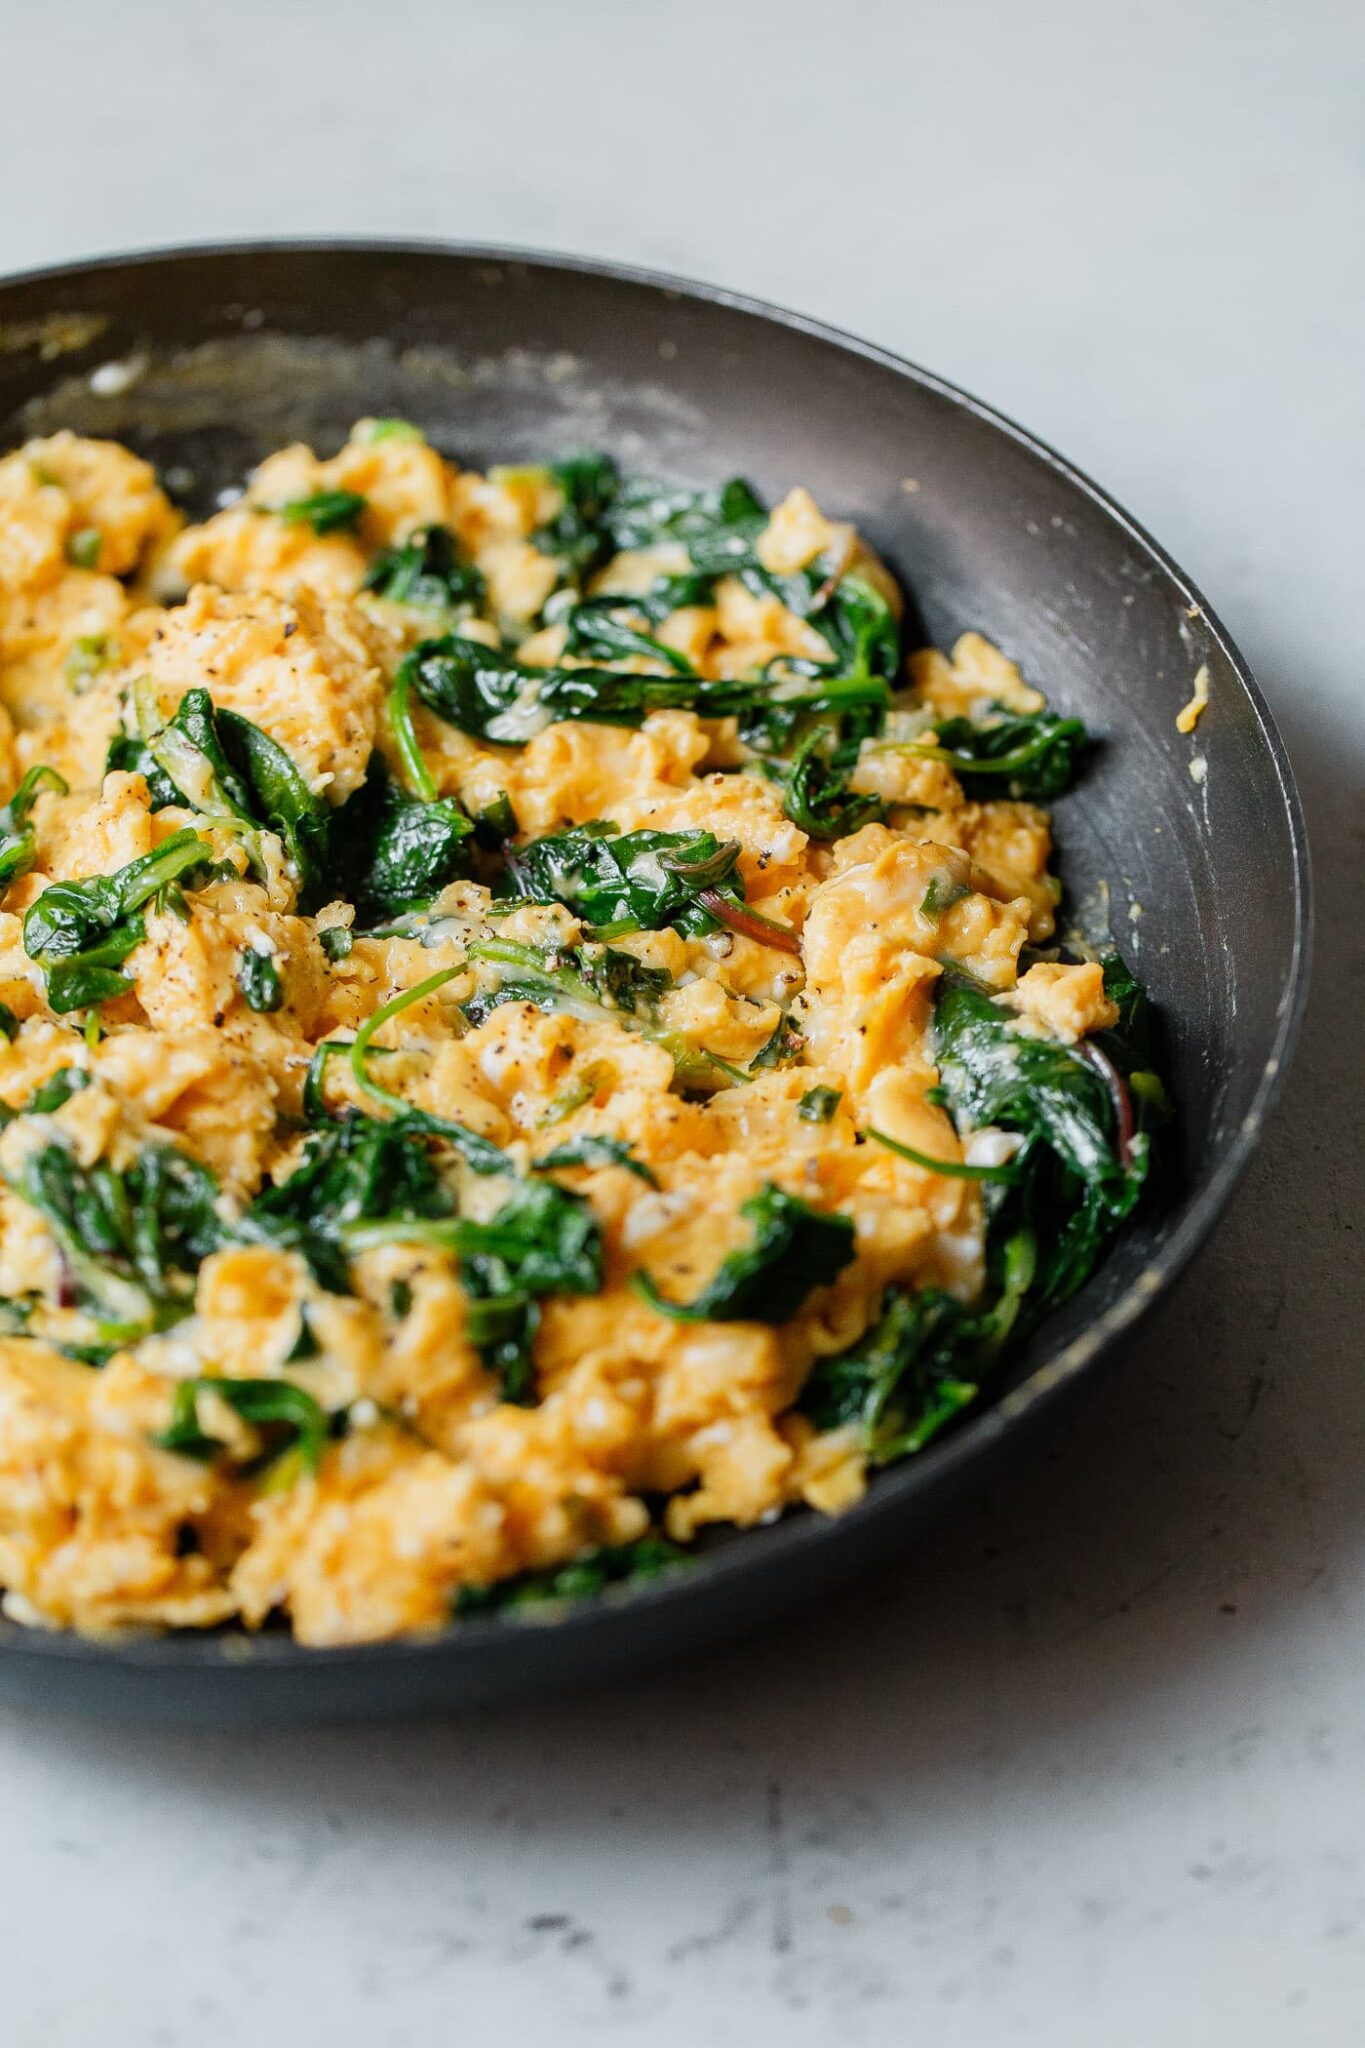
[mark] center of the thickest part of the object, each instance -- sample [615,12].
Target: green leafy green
[419,778]
[83,547]
[643,881]
[717,525]
[369,431]
[393,853]
[480,1154]
[1036,755]
[592,1149]
[794,1249]
[610,1565]
[483,691]
[293,1421]
[630,881]
[220,764]
[89,655]
[906,1377]
[129,1240]
[601,629]
[817,1105]
[495,824]
[543,1240]
[943,892]
[426,572]
[279,797]
[81,932]
[951,1169]
[192,752]
[130,756]
[720,528]
[576,533]
[354,1171]
[1083,1165]
[816,792]
[590,981]
[57,1089]
[860,626]
[363,1183]
[1050,1211]
[17,843]
[259,980]
[595,982]
[784,1048]
[325,511]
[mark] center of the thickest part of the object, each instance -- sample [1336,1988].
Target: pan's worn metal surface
[1189,850]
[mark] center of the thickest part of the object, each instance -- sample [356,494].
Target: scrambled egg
[131,1493]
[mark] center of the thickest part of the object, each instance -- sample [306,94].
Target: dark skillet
[504,357]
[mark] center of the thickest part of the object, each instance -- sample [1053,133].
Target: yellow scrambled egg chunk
[182,1075]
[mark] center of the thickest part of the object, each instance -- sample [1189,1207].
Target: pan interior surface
[1186,852]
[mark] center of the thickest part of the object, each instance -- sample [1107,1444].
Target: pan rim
[784,1541]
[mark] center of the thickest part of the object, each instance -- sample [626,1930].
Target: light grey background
[1085,1767]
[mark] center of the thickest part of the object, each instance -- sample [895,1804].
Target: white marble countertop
[1087,1767]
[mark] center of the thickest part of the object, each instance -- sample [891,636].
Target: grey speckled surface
[1087,1766]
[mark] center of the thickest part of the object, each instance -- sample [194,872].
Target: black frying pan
[220,355]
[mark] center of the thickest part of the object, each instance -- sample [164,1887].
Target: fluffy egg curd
[529,1028]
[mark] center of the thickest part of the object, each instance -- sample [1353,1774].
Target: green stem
[418,776]
[952,1169]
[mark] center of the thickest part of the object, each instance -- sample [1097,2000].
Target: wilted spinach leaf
[16,824]
[905,1379]
[259,980]
[80,933]
[577,533]
[543,1240]
[794,1249]
[493,696]
[783,1049]
[634,881]
[280,798]
[817,1105]
[350,1172]
[816,793]
[590,981]
[218,763]
[1036,756]
[89,655]
[57,1089]
[394,852]
[601,629]
[611,1565]
[132,756]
